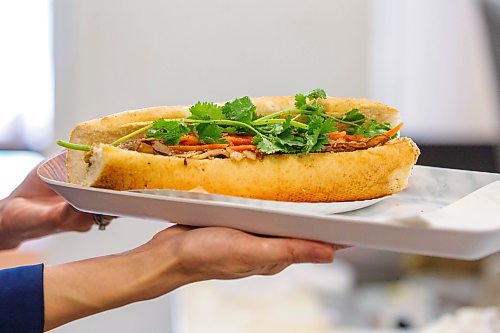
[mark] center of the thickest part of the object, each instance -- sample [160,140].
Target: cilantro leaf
[328,126]
[319,109]
[316,93]
[276,129]
[285,125]
[315,124]
[359,124]
[300,101]
[285,138]
[354,116]
[314,105]
[372,129]
[206,111]
[273,134]
[241,109]
[231,130]
[210,133]
[321,141]
[266,146]
[291,142]
[169,132]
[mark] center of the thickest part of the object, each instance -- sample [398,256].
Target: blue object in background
[21,299]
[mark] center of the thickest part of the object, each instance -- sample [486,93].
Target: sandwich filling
[238,148]
[235,131]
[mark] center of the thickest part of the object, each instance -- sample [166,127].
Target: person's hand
[223,253]
[174,257]
[33,210]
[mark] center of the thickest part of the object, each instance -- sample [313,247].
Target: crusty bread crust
[317,177]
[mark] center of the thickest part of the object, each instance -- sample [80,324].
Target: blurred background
[66,61]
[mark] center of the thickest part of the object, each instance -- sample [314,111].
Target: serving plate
[318,208]
[444,212]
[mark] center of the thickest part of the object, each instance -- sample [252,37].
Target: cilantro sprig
[359,124]
[299,130]
[272,133]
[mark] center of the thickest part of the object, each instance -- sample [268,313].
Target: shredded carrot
[190,140]
[357,137]
[344,137]
[243,147]
[239,140]
[394,130]
[336,135]
[199,147]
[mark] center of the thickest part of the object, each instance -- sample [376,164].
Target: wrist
[84,288]
[153,272]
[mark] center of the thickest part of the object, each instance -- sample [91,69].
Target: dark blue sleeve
[21,299]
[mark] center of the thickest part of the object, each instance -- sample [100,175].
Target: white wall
[116,55]
[432,60]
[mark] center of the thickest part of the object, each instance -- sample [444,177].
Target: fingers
[66,218]
[285,252]
[297,251]
[26,218]
[224,253]
[277,254]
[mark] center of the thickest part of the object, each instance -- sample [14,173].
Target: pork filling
[338,143]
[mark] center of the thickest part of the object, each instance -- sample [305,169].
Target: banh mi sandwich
[306,148]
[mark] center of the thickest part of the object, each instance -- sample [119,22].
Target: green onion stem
[343,121]
[131,135]
[305,112]
[277,114]
[278,121]
[73,146]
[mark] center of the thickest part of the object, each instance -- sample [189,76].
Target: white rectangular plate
[444,212]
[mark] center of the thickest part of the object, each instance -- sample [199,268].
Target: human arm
[174,257]
[33,210]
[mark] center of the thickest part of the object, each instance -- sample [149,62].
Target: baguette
[314,177]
